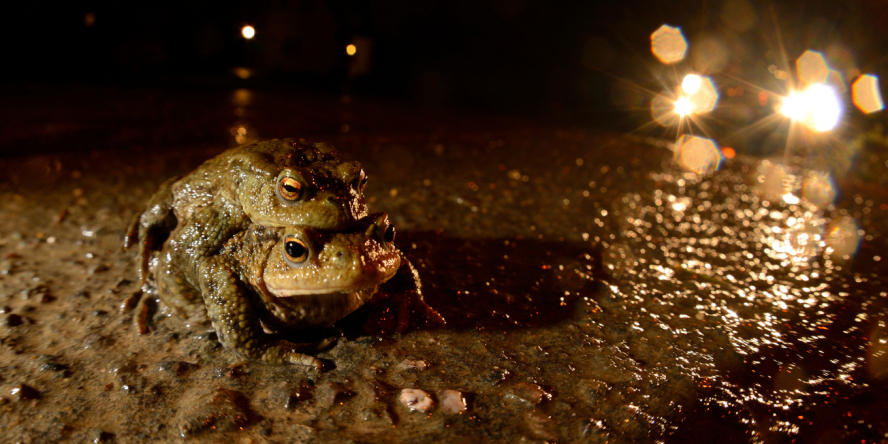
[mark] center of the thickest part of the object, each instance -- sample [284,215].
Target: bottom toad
[286,278]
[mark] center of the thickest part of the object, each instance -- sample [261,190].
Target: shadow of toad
[497,284]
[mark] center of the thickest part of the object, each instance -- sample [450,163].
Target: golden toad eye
[296,250]
[290,188]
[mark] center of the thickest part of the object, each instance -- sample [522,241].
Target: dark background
[582,63]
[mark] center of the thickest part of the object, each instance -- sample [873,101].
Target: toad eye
[290,188]
[296,250]
[389,234]
[362,181]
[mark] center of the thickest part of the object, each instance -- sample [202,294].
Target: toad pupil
[291,189]
[389,235]
[295,249]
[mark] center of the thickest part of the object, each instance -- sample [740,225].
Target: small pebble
[23,392]
[452,401]
[416,400]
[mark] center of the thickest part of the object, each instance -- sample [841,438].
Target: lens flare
[683,107]
[818,107]
[697,154]
[812,68]
[866,95]
[668,44]
[248,32]
[691,83]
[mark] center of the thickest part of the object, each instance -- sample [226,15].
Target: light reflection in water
[241,130]
[731,254]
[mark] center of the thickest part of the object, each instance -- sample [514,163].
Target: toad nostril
[338,254]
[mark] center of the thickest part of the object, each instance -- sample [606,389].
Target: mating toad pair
[271,236]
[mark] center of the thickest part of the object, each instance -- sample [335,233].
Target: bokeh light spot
[729,153]
[691,83]
[683,107]
[697,154]
[812,68]
[819,188]
[668,44]
[843,237]
[351,49]
[705,96]
[866,94]
[663,110]
[248,32]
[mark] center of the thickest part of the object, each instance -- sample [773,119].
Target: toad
[275,183]
[282,278]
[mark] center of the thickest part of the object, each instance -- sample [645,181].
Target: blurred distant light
[668,44]
[242,97]
[704,96]
[663,110]
[817,107]
[835,80]
[866,94]
[691,83]
[812,68]
[793,106]
[248,32]
[729,153]
[843,237]
[242,72]
[697,154]
[819,188]
[791,199]
[683,107]
[89,19]
[351,49]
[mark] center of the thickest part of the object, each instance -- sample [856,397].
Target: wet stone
[23,392]
[330,393]
[452,401]
[49,363]
[131,384]
[176,368]
[527,392]
[416,400]
[99,436]
[218,411]
[290,395]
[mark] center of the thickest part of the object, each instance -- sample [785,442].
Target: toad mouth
[290,292]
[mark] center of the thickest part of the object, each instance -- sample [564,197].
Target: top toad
[274,183]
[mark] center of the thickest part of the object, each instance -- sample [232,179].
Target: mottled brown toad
[274,183]
[282,278]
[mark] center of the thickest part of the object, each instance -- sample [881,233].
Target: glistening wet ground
[594,291]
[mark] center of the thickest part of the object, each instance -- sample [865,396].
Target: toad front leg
[235,321]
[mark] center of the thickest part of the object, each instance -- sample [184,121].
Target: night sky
[557,60]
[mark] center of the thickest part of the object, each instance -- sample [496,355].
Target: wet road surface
[594,290]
